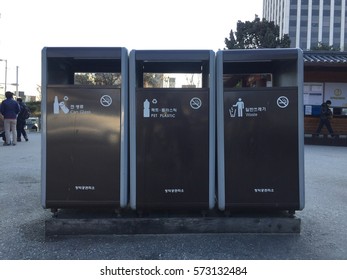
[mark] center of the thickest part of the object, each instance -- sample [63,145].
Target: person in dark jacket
[9,109]
[21,121]
[325,116]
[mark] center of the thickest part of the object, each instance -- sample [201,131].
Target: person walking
[325,116]
[9,108]
[21,120]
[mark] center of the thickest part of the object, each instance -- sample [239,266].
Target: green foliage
[153,80]
[35,108]
[324,47]
[100,79]
[256,34]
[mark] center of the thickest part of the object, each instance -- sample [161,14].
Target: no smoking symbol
[282,101]
[195,103]
[106,100]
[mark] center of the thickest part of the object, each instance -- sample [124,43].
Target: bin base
[278,223]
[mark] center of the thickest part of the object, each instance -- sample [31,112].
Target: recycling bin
[172,129]
[260,134]
[84,131]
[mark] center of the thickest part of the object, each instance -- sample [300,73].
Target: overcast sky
[26,26]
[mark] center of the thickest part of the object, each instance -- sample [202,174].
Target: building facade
[310,22]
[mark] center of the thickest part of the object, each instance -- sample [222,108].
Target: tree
[39,96]
[323,47]
[101,79]
[35,108]
[256,34]
[153,80]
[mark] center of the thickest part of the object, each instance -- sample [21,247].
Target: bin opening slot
[172,80]
[172,74]
[98,79]
[247,80]
[71,71]
[275,73]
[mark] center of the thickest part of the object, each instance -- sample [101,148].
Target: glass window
[326,22]
[304,12]
[293,11]
[315,12]
[326,12]
[303,23]
[314,38]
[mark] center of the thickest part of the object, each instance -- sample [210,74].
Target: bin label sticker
[195,103]
[173,190]
[85,188]
[152,110]
[239,110]
[282,102]
[264,190]
[238,107]
[106,100]
[146,109]
[62,106]
[57,106]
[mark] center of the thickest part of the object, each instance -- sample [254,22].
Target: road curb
[121,226]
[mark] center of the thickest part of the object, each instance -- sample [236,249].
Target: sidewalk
[22,219]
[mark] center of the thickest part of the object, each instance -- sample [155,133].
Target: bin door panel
[172,148]
[261,148]
[83,146]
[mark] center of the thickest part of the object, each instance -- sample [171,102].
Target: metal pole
[5,73]
[17,81]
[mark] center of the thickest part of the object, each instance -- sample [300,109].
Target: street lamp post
[5,72]
[17,93]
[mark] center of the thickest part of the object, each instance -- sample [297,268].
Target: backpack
[25,112]
[325,111]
